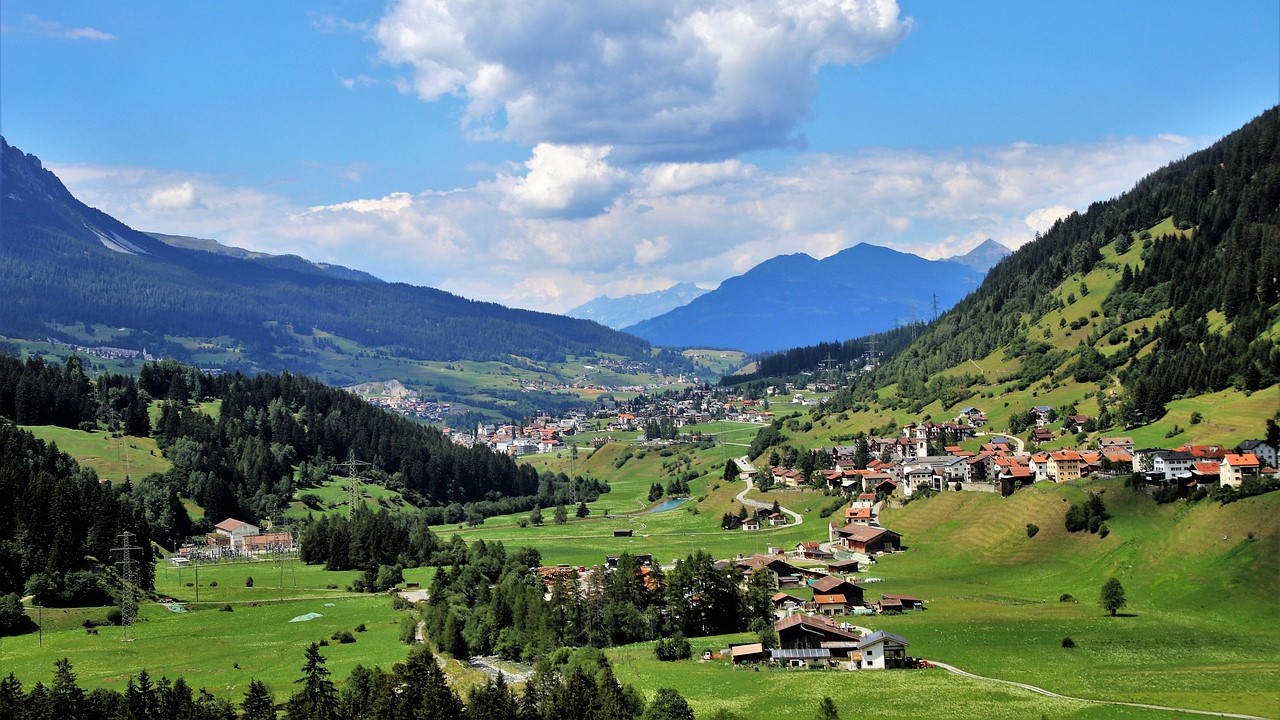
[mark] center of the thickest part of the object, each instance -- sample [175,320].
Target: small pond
[668,504]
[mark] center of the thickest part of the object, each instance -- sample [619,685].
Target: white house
[235,531]
[882,650]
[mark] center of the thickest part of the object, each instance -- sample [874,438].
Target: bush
[1032,529]
[344,637]
[1103,530]
[114,616]
[227,608]
[675,647]
[1066,597]
[248,582]
[361,628]
[408,630]
[1068,643]
[213,583]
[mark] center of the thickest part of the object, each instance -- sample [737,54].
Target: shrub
[361,628]
[227,608]
[323,643]
[213,583]
[1103,530]
[344,637]
[1068,643]
[114,616]
[248,582]
[408,630]
[1066,597]
[675,647]
[1032,529]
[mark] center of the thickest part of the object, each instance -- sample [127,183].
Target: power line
[355,485]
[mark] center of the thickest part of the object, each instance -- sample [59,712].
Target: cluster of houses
[542,434]
[235,538]
[412,406]
[902,465]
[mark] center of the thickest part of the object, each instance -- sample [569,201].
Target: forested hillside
[1186,269]
[64,263]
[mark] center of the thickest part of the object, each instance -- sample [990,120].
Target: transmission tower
[355,484]
[128,581]
[935,307]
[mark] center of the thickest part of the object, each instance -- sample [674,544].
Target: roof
[863,533]
[1246,460]
[841,564]
[812,624]
[902,598]
[830,599]
[231,525]
[880,636]
[828,583]
[799,653]
[748,649]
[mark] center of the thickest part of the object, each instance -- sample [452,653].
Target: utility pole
[128,579]
[935,307]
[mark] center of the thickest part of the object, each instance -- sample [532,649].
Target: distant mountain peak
[984,256]
[627,310]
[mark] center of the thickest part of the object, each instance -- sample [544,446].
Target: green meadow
[111,457]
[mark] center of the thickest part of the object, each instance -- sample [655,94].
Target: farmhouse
[899,603]
[1235,469]
[831,585]
[866,539]
[805,640]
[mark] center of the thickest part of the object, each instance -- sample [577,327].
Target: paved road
[796,518]
[1022,445]
[1039,690]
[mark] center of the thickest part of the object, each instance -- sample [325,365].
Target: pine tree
[258,703]
[317,700]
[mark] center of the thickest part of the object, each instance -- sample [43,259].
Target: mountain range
[64,264]
[794,300]
[620,312]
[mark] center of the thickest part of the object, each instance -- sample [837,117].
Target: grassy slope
[1200,628]
[111,457]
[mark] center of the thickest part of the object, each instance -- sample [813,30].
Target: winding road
[796,518]
[1047,693]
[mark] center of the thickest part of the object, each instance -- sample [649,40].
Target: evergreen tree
[317,699]
[258,703]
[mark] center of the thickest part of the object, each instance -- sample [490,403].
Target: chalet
[783,601]
[781,573]
[1235,469]
[883,650]
[751,523]
[830,605]
[1075,423]
[861,515]
[812,550]
[1042,435]
[887,486]
[832,585]
[1115,443]
[843,566]
[866,500]
[866,539]
[899,603]
[806,640]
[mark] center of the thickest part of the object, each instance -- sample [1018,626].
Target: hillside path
[796,518]
[1041,691]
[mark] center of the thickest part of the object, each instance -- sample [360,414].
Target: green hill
[1200,580]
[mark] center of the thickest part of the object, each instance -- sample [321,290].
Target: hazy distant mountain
[795,300]
[618,313]
[984,257]
[63,263]
[284,262]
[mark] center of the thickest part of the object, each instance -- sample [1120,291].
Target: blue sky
[539,154]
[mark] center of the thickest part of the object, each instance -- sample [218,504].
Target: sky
[542,153]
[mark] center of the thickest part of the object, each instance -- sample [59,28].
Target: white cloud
[51,28]
[174,197]
[537,241]
[564,180]
[662,80]
[1041,219]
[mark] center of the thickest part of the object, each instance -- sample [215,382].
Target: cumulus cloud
[572,181]
[673,80]
[515,240]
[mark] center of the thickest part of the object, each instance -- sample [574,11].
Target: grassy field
[215,649]
[1199,630]
[795,694]
[334,498]
[111,457]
